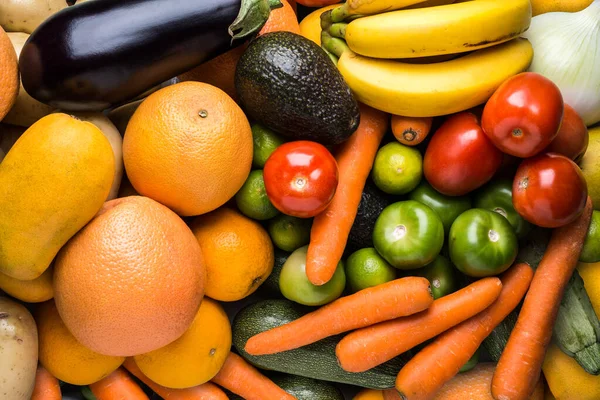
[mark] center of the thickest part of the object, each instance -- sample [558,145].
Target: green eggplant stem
[338,30]
[335,46]
[252,17]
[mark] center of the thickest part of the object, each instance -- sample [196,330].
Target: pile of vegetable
[431,193]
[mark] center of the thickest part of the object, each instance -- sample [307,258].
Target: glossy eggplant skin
[102,53]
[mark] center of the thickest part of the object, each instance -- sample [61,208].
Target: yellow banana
[431,3]
[370,7]
[445,29]
[430,90]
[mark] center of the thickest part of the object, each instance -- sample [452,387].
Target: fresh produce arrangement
[300,199]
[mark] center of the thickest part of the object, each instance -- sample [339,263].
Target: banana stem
[338,30]
[331,56]
[339,14]
[335,46]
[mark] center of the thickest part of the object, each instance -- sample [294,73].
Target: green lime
[398,169]
[252,199]
[366,268]
[591,245]
[289,233]
[265,143]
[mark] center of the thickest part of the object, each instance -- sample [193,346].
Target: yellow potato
[18,351]
[26,110]
[26,15]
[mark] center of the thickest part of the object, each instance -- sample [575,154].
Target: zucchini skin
[102,53]
[317,360]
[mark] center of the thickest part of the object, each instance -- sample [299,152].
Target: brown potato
[26,15]
[18,351]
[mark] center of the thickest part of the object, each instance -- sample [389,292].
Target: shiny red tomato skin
[301,178]
[549,190]
[524,114]
[460,158]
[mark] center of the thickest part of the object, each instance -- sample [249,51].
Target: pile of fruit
[264,200]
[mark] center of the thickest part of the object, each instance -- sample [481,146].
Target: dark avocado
[372,203]
[270,287]
[289,84]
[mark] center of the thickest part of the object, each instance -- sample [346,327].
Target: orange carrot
[206,391]
[117,386]
[366,348]
[389,300]
[243,379]
[441,360]
[411,130]
[46,386]
[330,229]
[520,364]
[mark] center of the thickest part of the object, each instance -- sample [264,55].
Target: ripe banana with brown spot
[429,90]
[433,31]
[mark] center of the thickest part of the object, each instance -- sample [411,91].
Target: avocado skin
[290,85]
[372,203]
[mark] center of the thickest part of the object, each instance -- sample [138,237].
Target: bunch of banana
[407,57]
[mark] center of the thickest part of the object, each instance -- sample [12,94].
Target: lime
[398,169]
[295,286]
[252,199]
[265,143]
[289,233]
[591,245]
[366,268]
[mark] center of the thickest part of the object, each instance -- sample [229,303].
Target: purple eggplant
[102,53]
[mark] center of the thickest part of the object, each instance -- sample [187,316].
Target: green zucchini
[302,388]
[317,360]
[577,328]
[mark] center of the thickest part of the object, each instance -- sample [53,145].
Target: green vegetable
[408,234]
[270,287]
[448,208]
[469,365]
[567,51]
[591,245]
[497,197]
[482,243]
[295,286]
[577,328]
[441,274]
[317,360]
[495,343]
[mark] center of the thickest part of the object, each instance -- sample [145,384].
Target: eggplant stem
[252,17]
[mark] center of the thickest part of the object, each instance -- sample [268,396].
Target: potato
[26,15]
[120,116]
[8,136]
[18,351]
[26,110]
[111,132]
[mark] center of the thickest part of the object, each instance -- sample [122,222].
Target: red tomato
[549,190]
[572,139]
[523,116]
[301,178]
[460,157]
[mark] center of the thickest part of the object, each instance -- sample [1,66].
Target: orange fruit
[63,356]
[476,385]
[219,72]
[197,356]
[189,147]
[130,281]
[282,19]
[238,253]
[9,74]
